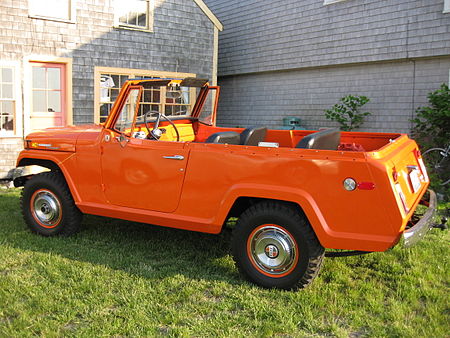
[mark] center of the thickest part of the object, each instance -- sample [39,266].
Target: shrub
[432,124]
[347,113]
[432,129]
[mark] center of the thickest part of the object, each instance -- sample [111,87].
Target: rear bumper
[415,234]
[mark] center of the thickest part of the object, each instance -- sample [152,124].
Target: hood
[61,138]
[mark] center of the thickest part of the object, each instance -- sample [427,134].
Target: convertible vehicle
[160,159]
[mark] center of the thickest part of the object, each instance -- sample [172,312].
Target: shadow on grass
[144,250]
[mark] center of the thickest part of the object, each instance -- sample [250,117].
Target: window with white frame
[152,100]
[446,6]
[134,14]
[63,10]
[7,101]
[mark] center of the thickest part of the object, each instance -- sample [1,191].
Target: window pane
[168,110]
[116,80]
[114,94]
[54,78]
[132,12]
[142,20]
[123,79]
[7,75]
[7,91]
[156,96]
[39,101]
[54,101]
[147,95]
[38,77]
[104,112]
[7,107]
[58,9]
[7,122]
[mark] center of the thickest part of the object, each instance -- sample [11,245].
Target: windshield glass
[206,114]
[170,101]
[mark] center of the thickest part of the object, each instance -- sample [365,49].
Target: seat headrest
[327,139]
[253,135]
[229,137]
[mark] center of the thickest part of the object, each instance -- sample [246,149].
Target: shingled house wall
[181,40]
[299,57]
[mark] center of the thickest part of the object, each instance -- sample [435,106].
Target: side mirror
[122,139]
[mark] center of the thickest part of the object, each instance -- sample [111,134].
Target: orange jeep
[294,192]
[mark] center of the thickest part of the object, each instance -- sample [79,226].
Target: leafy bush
[432,124]
[432,129]
[347,112]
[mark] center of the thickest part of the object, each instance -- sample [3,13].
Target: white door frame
[27,86]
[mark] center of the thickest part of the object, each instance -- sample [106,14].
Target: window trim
[446,6]
[330,2]
[148,28]
[130,72]
[17,97]
[72,18]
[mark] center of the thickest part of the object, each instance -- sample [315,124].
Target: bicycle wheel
[438,164]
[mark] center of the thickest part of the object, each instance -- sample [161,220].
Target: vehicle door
[140,173]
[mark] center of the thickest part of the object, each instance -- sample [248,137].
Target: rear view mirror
[173,94]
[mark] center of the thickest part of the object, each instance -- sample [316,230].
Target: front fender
[53,160]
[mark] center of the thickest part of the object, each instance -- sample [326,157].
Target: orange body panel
[193,185]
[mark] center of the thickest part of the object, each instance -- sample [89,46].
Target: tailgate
[406,173]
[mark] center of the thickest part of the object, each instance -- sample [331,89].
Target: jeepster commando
[294,193]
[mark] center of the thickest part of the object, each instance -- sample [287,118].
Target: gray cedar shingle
[256,32]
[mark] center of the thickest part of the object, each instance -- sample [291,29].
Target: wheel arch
[48,163]
[240,199]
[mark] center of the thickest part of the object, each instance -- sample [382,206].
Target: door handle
[174,157]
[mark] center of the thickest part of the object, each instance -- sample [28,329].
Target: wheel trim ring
[258,265]
[42,195]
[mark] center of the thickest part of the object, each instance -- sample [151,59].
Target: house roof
[209,14]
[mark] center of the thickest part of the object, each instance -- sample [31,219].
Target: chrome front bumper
[415,234]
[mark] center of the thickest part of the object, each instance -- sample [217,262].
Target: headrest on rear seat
[327,139]
[229,137]
[253,135]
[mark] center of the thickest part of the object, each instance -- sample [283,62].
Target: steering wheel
[156,133]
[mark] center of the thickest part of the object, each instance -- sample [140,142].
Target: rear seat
[327,139]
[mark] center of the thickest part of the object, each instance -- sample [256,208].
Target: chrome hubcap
[273,249]
[46,208]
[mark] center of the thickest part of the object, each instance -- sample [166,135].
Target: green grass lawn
[122,278]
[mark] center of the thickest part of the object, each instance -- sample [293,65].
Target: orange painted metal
[193,185]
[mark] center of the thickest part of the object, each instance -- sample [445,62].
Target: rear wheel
[48,207]
[275,247]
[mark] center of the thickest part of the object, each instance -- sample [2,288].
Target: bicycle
[438,163]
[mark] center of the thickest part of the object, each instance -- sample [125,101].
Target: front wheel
[48,207]
[275,247]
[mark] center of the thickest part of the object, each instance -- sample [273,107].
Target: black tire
[48,207]
[286,236]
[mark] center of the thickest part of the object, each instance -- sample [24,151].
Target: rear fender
[277,193]
[328,237]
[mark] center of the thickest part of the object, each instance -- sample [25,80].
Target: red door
[48,95]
